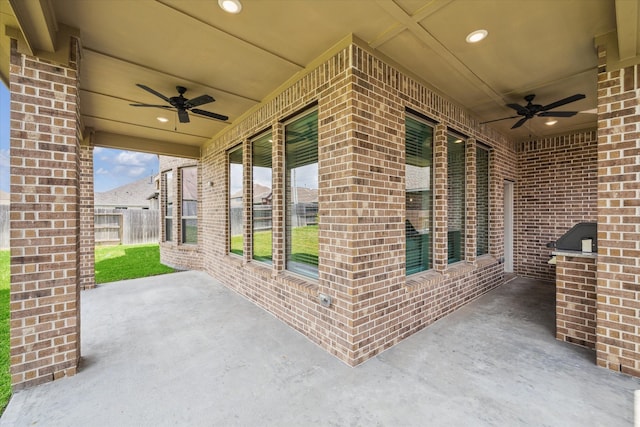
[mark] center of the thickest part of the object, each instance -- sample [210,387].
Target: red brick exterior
[618,340]
[576,299]
[557,187]
[44,222]
[362,104]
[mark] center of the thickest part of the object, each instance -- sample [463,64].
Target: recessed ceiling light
[476,36]
[550,122]
[162,119]
[231,6]
[457,141]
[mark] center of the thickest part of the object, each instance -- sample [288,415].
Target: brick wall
[87,218]
[576,299]
[44,223]
[557,187]
[618,340]
[361,105]
[175,253]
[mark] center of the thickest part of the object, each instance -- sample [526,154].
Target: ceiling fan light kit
[181,104]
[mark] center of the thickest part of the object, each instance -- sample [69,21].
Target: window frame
[268,134]
[184,217]
[230,223]
[456,245]
[304,269]
[416,237]
[488,150]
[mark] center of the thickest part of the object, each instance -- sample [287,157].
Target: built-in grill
[582,236]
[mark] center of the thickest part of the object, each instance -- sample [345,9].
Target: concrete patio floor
[183,350]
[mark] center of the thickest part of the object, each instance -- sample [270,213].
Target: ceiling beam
[230,35]
[627,28]
[37,22]
[411,24]
[144,145]
[427,10]
[184,79]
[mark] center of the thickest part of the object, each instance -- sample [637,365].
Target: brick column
[576,300]
[471,221]
[247,200]
[441,202]
[277,215]
[44,222]
[618,271]
[87,232]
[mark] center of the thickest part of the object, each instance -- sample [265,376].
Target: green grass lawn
[304,246]
[128,262]
[5,378]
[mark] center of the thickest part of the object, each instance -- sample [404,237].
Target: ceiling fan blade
[497,120]
[200,100]
[564,101]
[210,114]
[519,108]
[520,122]
[183,116]
[558,113]
[148,89]
[151,105]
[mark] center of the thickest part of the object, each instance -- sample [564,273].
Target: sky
[111,168]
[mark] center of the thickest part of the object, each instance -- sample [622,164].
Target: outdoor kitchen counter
[567,253]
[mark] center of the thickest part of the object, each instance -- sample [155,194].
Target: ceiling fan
[182,104]
[531,110]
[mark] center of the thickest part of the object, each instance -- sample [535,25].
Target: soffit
[544,47]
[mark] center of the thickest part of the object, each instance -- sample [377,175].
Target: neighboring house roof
[261,194]
[133,195]
[4,198]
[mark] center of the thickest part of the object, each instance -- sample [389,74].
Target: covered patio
[182,349]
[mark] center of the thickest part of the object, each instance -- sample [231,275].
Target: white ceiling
[545,47]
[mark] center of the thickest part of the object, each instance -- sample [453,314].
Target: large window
[190,205]
[456,197]
[262,198]
[301,186]
[168,207]
[482,200]
[236,211]
[419,196]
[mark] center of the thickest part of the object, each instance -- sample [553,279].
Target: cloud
[102,171]
[129,158]
[4,158]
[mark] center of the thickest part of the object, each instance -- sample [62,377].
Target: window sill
[459,269]
[485,261]
[427,279]
[300,283]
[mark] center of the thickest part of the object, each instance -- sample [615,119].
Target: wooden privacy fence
[126,226]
